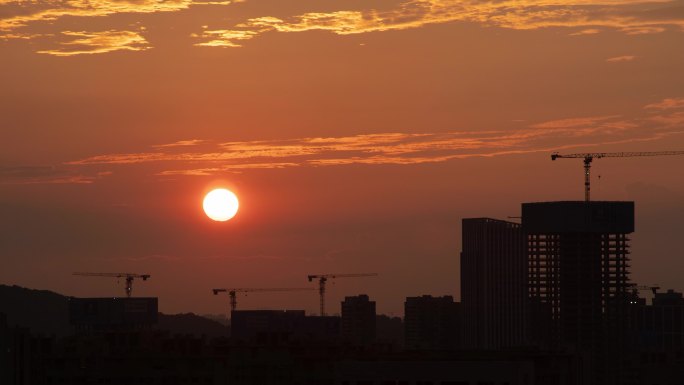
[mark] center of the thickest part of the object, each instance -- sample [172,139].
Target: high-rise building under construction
[578,267]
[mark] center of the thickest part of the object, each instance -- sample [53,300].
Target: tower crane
[232,293]
[323,278]
[589,157]
[128,276]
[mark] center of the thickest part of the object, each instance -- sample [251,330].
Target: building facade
[432,323]
[358,320]
[578,266]
[493,284]
[89,315]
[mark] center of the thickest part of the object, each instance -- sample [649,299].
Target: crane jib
[589,157]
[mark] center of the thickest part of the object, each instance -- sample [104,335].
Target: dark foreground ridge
[47,313]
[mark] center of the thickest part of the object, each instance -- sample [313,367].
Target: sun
[220,204]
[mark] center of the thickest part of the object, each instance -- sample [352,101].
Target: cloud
[99,42]
[227,168]
[629,17]
[224,37]
[574,122]
[181,143]
[206,158]
[668,112]
[669,120]
[26,171]
[619,59]
[17,14]
[241,155]
[667,104]
[590,31]
[23,36]
[22,175]
[642,30]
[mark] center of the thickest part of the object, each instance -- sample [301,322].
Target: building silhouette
[88,315]
[358,320]
[657,332]
[266,326]
[282,327]
[578,263]
[563,272]
[15,354]
[658,329]
[432,323]
[493,284]
[444,370]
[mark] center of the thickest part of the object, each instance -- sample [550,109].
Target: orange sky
[357,134]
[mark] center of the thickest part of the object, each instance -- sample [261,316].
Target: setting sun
[221,205]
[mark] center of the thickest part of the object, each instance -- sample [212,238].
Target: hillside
[47,312]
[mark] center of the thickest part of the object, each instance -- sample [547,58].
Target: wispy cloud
[21,13]
[590,121]
[215,157]
[23,175]
[668,112]
[181,143]
[582,17]
[629,17]
[667,104]
[618,59]
[642,30]
[589,31]
[22,36]
[224,37]
[26,171]
[670,120]
[99,42]
[228,168]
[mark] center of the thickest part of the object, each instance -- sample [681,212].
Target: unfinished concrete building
[578,265]
[578,269]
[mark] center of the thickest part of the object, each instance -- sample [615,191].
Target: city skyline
[356,135]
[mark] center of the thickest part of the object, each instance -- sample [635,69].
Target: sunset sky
[355,133]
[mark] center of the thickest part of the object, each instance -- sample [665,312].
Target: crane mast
[232,293]
[128,276]
[323,279]
[589,157]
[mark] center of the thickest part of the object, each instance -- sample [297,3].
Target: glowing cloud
[667,104]
[590,31]
[630,17]
[99,42]
[211,158]
[181,143]
[29,12]
[225,38]
[619,59]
